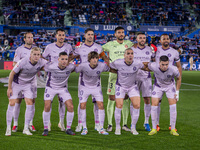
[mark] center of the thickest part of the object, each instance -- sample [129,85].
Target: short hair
[93,54]
[62,53]
[35,49]
[140,33]
[164,34]
[118,28]
[27,33]
[88,29]
[128,49]
[164,58]
[62,30]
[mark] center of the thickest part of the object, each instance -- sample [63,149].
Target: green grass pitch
[188,123]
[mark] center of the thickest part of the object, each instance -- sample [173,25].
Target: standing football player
[115,50]
[174,59]
[20,53]
[144,81]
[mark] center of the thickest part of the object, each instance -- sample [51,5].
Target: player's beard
[120,38]
[166,44]
[140,43]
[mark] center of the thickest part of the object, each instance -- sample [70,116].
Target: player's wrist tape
[177,95]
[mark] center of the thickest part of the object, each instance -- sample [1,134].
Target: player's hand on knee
[176,96]
[9,93]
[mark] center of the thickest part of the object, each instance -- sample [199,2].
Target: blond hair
[35,49]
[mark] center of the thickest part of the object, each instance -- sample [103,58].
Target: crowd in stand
[161,12]
[35,12]
[144,12]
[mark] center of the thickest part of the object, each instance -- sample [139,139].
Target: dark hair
[164,34]
[62,53]
[128,49]
[27,33]
[140,33]
[89,29]
[164,58]
[62,30]
[119,28]
[93,54]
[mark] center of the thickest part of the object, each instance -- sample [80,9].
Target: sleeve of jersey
[150,66]
[78,69]
[46,52]
[18,66]
[141,65]
[176,72]
[76,52]
[177,58]
[17,56]
[130,44]
[113,65]
[106,68]
[43,62]
[105,47]
[70,50]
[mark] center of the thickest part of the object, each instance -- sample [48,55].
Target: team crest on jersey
[169,55]
[153,93]
[98,72]
[169,76]
[147,53]
[134,68]
[126,46]
[109,90]
[96,50]
[67,72]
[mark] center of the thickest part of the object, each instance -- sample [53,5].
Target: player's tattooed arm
[145,68]
[178,64]
[14,63]
[178,86]
[72,57]
[113,70]
[10,80]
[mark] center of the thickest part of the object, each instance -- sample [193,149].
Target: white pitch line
[191,84]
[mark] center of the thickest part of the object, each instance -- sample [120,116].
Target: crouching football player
[58,74]
[164,83]
[20,80]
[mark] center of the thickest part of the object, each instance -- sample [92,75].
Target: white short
[159,91]
[120,92]
[145,86]
[62,93]
[33,89]
[85,92]
[17,89]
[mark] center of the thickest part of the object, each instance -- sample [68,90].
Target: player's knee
[29,102]
[112,97]
[47,108]
[12,102]
[100,105]
[119,105]
[136,106]
[70,108]
[83,106]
